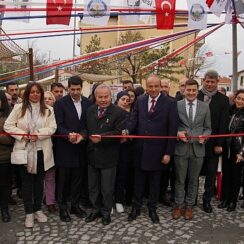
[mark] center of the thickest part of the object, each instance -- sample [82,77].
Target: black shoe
[106,220]
[231,207]
[11,201]
[207,208]
[223,204]
[135,212]
[92,216]
[5,215]
[78,212]
[154,217]
[166,201]
[64,215]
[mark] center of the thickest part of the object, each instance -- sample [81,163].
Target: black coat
[236,126]
[219,109]
[162,122]
[66,153]
[105,154]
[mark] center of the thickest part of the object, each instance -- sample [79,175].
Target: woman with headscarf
[32,123]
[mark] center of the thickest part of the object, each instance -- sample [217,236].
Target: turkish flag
[209,3]
[59,12]
[165,14]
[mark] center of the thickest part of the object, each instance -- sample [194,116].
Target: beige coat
[16,125]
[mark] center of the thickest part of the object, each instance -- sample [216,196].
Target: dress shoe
[188,213]
[207,208]
[5,215]
[93,216]
[176,213]
[223,204]
[78,212]
[135,212]
[51,208]
[153,216]
[11,201]
[64,215]
[106,220]
[231,207]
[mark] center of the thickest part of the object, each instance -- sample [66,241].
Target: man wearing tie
[70,151]
[195,121]
[155,115]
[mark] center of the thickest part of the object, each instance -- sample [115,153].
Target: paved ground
[218,227]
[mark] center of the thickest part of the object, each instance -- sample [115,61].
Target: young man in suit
[154,115]
[218,104]
[103,118]
[70,112]
[195,121]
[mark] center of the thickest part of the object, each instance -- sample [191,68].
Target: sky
[220,42]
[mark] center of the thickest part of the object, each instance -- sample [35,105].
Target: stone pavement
[218,227]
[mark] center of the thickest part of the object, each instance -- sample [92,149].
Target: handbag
[19,157]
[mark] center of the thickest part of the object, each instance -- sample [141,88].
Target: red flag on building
[209,3]
[165,14]
[59,12]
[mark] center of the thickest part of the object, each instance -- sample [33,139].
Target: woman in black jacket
[6,146]
[232,167]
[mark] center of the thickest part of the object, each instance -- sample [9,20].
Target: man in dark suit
[70,151]
[103,118]
[155,115]
[194,121]
[218,104]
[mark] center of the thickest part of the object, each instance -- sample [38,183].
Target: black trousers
[139,187]
[69,186]
[101,184]
[5,184]
[211,167]
[231,181]
[32,186]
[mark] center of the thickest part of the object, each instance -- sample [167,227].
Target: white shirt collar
[156,98]
[74,101]
[193,102]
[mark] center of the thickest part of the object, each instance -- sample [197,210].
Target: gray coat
[201,126]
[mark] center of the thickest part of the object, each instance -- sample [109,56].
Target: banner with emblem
[132,17]
[197,18]
[59,12]
[144,5]
[165,14]
[17,4]
[96,12]
[218,6]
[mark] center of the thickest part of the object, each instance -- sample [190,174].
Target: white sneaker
[29,220]
[119,208]
[40,217]
[112,211]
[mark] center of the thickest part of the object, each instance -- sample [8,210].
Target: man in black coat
[70,152]
[103,118]
[218,104]
[154,115]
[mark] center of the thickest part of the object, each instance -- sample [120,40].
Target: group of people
[92,151]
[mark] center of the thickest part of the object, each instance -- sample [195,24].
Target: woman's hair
[238,92]
[4,108]
[51,94]
[26,103]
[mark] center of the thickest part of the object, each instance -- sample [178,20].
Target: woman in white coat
[32,123]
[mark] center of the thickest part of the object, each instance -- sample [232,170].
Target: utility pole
[234,55]
[31,64]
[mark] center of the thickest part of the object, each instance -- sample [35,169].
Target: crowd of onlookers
[83,152]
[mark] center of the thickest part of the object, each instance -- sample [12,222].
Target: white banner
[197,14]
[96,12]
[133,18]
[146,4]
[17,4]
[218,7]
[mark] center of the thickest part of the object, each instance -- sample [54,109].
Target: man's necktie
[151,110]
[101,112]
[190,113]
